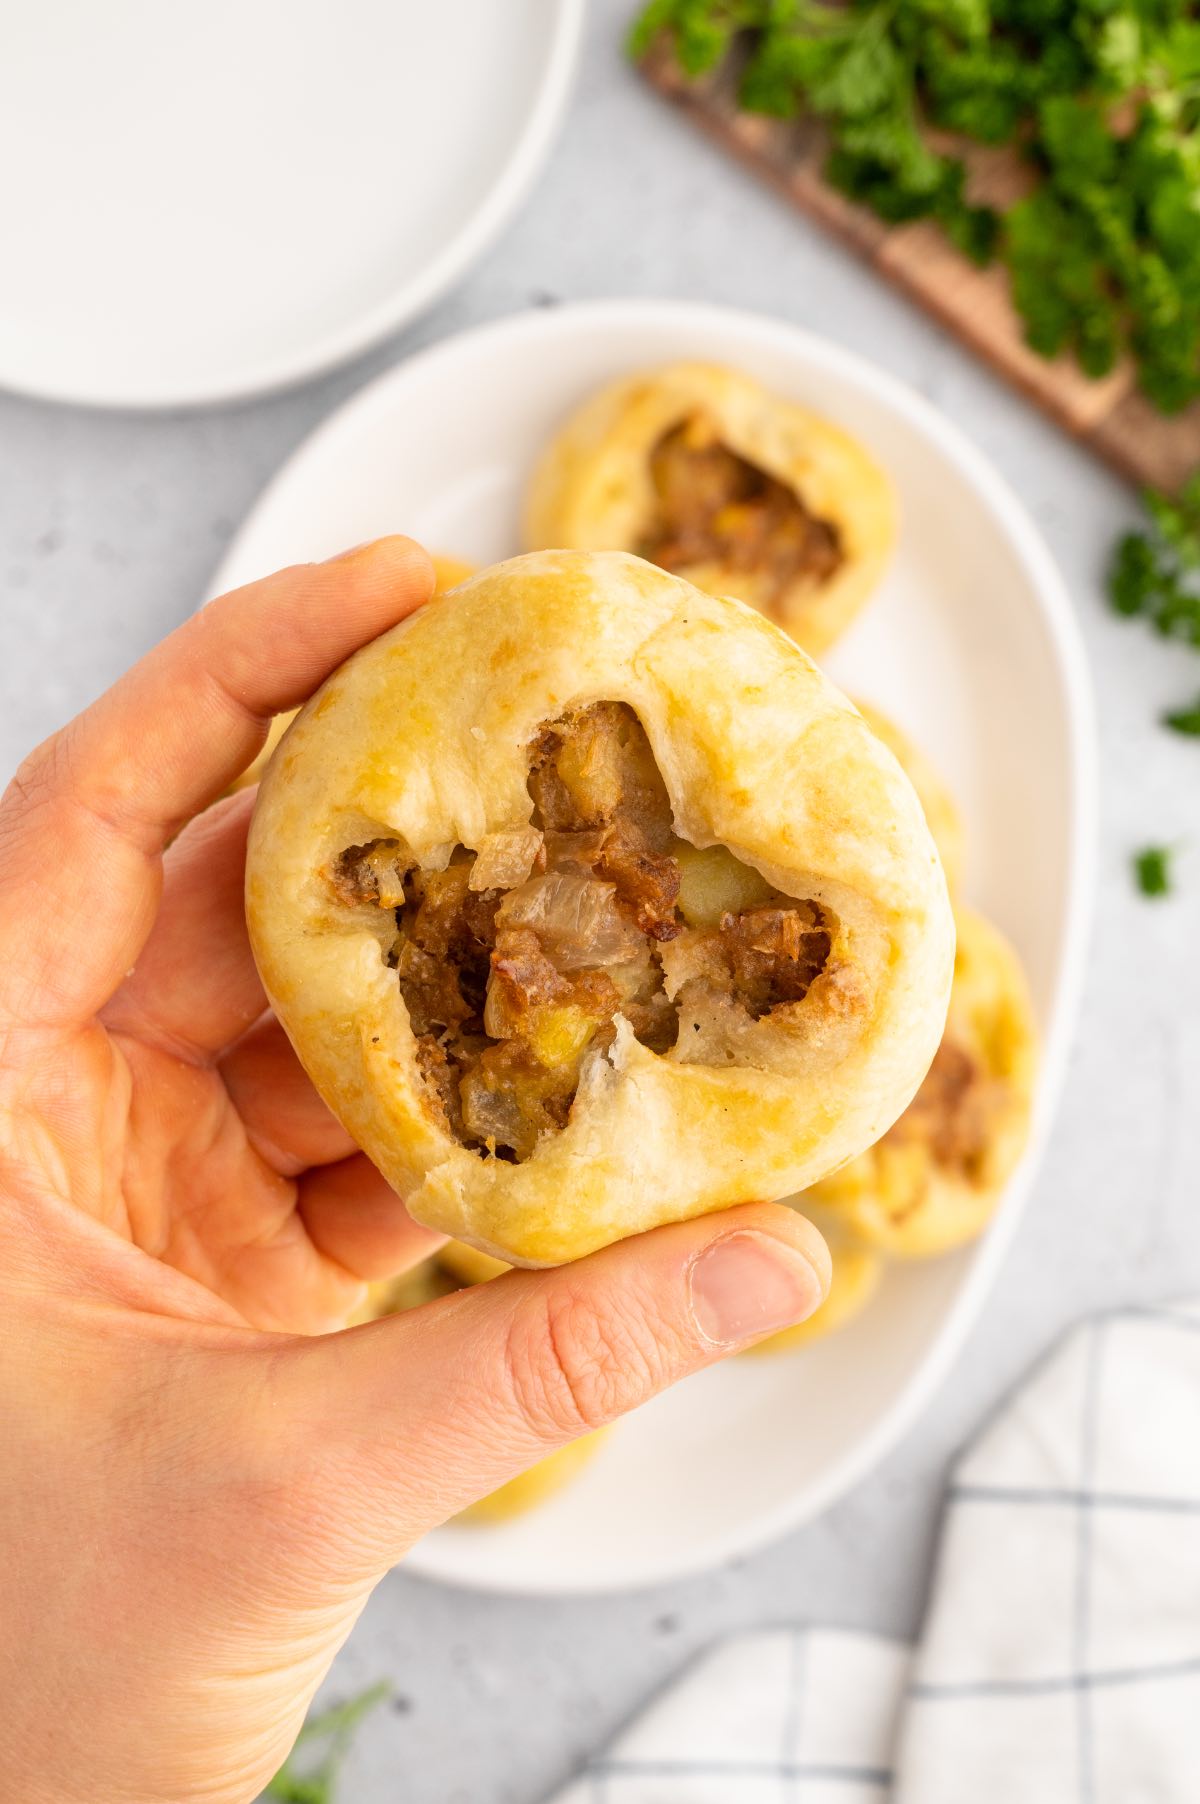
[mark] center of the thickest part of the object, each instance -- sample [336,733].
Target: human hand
[199,1487]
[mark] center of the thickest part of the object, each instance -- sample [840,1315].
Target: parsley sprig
[309,1774]
[1102,97]
[1155,574]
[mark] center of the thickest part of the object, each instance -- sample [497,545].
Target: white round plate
[971,644]
[199,202]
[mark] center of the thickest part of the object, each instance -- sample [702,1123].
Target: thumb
[423,1413]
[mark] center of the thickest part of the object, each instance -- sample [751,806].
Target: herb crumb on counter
[1155,573]
[1152,870]
[1184,720]
[1155,576]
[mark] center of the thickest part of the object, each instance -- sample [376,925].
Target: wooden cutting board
[1110,415]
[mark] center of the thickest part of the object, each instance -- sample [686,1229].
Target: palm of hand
[149,1141]
[171,1188]
[145,1081]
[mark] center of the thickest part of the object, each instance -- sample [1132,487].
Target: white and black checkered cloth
[1060,1658]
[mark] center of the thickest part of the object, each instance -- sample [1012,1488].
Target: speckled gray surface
[109,529]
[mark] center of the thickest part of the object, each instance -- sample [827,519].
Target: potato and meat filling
[515,961]
[954,1112]
[933,1179]
[716,508]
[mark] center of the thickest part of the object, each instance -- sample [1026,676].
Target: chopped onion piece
[581,849]
[505,859]
[495,1116]
[576,918]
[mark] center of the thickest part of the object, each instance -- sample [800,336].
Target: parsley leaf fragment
[1155,575]
[1184,720]
[702,30]
[1152,870]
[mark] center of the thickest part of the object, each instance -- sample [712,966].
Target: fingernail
[748,1284]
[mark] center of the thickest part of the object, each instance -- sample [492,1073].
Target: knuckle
[36,778]
[575,1363]
[45,784]
[29,793]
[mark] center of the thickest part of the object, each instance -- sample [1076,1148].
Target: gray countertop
[110,526]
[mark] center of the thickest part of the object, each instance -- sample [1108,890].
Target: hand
[198,1488]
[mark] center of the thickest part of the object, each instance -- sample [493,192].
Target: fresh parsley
[1152,870]
[311,1778]
[1184,720]
[1100,97]
[1155,574]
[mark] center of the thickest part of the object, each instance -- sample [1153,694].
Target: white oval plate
[971,644]
[199,202]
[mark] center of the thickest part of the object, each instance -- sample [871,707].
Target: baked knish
[941,809]
[589,904]
[934,1179]
[707,474]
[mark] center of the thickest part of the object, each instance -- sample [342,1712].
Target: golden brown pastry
[935,1177]
[941,810]
[589,904]
[448,573]
[707,474]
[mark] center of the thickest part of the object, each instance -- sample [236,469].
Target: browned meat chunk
[448,916]
[441,1080]
[647,882]
[716,507]
[595,782]
[540,1021]
[529,998]
[432,990]
[443,951]
[594,764]
[645,1003]
[760,959]
[774,954]
[510,1099]
[373,873]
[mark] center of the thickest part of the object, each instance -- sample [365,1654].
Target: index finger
[85,820]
